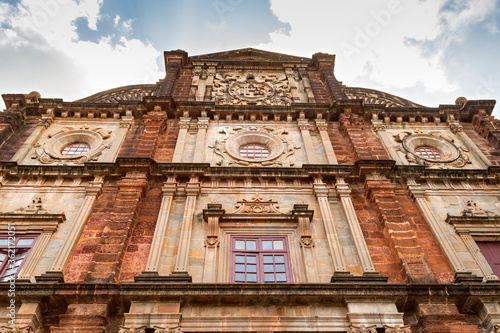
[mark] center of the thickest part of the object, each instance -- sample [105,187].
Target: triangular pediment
[249,54]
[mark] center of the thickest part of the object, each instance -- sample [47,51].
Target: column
[435,225]
[212,216]
[458,130]
[25,148]
[325,139]
[125,124]
[55,274]
[158,241]
[306,137]
[344,192]
[182,260]
[181,139]
[478,257]
[199,150]
[321,192]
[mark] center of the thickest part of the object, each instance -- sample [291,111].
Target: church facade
[248,191]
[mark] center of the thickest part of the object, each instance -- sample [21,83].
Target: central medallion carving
[259,88]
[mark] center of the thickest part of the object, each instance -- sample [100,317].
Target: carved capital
[363,329]
[397,329]
[124,329]
[15,329]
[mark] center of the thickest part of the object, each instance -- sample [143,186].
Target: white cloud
[47,29]
[387,43]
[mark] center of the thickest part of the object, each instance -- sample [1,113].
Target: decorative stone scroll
[453,153]
[257,205]
[15,329]
[281,148]
[175,329]
[124,329]
[363,329]
[397,329]
[50,152]
[257,88]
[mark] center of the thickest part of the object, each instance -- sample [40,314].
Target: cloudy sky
[428,51]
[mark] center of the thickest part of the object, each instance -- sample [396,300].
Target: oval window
[254,150]
[77,148]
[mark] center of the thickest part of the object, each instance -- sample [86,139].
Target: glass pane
[239,268]
[10,271]
[269,277]
[279,259]
[251,245]
[2,257]
[252,268]
[239,277]
[252,277]
[269,268]
[239,245]
[240,259]
[4,241]
[268,259]
[278,245]
[267,245]
[25,241]
[281,277]
[251,259]
[280,268]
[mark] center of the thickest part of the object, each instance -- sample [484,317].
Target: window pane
[75,149]
[2,257]
[239,277]
[268,259]
[280,268]
[281,277]
[251,260]
[278,245]
[252,277]
[267,245]
[269,268]
[239,245]
[251,245]
[25,241]
[279,259]
[239,268]
[269,277]
[240,259]
[252,268]
[4,242]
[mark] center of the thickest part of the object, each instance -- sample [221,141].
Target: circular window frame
[449,152]
[54,146]
[273,143]
[256,149]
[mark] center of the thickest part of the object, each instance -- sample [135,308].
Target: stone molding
[281,148]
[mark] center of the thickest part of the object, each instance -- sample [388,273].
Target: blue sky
[430,52]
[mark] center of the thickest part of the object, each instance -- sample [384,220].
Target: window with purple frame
[13,254]
[260,259]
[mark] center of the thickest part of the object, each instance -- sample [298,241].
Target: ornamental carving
[15,329]
[397,329]
[452,153]
[257,205]
[50,152]
[174,329]
[281,148]
[124,329]
[473,210]
[257,88]
[363,329]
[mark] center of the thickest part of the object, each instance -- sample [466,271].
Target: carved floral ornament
[257,205]
[142,329]
[452,153]
[15,329]
[50,151]
[258,88]
[281,148]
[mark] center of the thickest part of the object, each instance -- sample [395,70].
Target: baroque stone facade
[248,191]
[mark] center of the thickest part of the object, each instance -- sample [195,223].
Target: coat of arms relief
[257,88]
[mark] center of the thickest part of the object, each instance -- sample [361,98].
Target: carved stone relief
[281,148]
[50,151]
[257,205]
[258,88]
[452,153]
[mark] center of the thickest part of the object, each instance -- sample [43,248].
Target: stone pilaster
[322,126]
[199,151]
[180,272]
[321,192]
[152,266]
[306,138]
[212,216]
[181,139]
[458,130]
[304,217]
